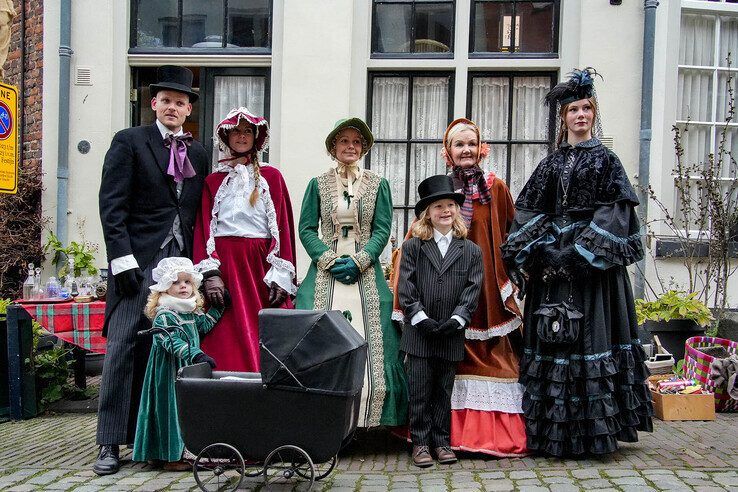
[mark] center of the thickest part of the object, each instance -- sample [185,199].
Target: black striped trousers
[430,383]
[125,361]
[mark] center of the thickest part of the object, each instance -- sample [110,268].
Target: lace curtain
[390,106]
[490,109]
[233,92]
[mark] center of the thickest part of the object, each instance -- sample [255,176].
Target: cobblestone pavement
[55,453]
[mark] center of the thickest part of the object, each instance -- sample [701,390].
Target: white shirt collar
[166,131]
[438,236]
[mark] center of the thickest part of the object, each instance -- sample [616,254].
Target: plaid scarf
[475,186]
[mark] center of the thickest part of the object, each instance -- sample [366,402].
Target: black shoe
[107,461]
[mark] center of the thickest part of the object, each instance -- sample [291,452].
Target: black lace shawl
[598,179]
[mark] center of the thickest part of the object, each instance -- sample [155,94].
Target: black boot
[107,461]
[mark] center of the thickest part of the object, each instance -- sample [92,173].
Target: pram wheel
[322,470]
[282,464]
[219,467]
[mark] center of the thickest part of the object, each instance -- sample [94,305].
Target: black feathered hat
[174,78]
[579,86]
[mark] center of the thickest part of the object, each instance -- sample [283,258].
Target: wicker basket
[697,366]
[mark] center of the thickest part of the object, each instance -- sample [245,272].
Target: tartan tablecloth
[77,323]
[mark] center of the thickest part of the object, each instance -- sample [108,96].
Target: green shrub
[674,304]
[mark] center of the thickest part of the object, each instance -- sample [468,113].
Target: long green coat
[157,429]
[319,232]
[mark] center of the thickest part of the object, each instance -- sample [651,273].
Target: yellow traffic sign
[8,139]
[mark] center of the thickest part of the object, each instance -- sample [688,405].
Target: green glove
[345,271]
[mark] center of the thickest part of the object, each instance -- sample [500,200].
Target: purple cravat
[180,166]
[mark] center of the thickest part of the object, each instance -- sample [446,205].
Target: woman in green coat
[345,224]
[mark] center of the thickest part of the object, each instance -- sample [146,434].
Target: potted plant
[674,316]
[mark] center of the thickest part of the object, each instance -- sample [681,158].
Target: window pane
[390,161]
[490,96]
[393,25]
[729,155]
[688,204]
[425,161]
[490,19]
[525,158]
[696,143]
[390,101]
[234,92]
[433,27]
[497,161]
[157,23]
[248,23]
[202,24]
[694,95]
[697,40]
[530,116]
[728,41]
[722,95]
[430,107]
[535,33]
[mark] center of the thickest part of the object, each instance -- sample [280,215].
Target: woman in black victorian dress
[575,231]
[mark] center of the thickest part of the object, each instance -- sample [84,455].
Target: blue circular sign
[6,121]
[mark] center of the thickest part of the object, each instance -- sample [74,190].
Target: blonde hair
[153,302]
[562,119]
[423,227]
[257,174]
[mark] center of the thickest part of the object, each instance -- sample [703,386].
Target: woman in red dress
[244,240]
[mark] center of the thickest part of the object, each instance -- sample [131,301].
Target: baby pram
[287,422]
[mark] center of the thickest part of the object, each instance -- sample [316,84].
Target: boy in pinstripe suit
[439,286]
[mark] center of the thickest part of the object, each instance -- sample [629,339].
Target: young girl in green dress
[175,306]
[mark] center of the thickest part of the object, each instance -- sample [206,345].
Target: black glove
[277,295]
[448,328]
[427,327]
[214,291]
[227,301]
[128,283]
[518,278]
[203,357]
[566,262]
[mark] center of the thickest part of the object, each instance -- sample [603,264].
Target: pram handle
[152,331]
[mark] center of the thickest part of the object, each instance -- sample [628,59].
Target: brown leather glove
[214,291]
[277,295]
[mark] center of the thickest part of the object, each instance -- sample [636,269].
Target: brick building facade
[21,219]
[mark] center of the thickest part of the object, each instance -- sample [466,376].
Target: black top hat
[436,188]
[174,78]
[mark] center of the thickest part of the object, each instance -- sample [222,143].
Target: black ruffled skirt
[583,397]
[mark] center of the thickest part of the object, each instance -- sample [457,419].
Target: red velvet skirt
[234,341]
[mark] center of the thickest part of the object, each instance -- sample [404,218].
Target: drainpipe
[644,158]
[62,170]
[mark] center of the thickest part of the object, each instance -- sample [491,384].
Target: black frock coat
[138,199]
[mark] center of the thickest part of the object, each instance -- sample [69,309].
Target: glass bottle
[28,283]
[53,289]
[38,291]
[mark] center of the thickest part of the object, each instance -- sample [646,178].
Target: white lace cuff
[122,264]
[419,316]
[281,277]
[208,264]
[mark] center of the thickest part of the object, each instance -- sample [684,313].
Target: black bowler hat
[436,188]
[174,78]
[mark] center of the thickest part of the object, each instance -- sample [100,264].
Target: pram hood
[320,348]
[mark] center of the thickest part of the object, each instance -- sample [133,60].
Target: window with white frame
[408,114]
[708,56]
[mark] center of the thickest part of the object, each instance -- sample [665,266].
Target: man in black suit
[151,187]
[439,285]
